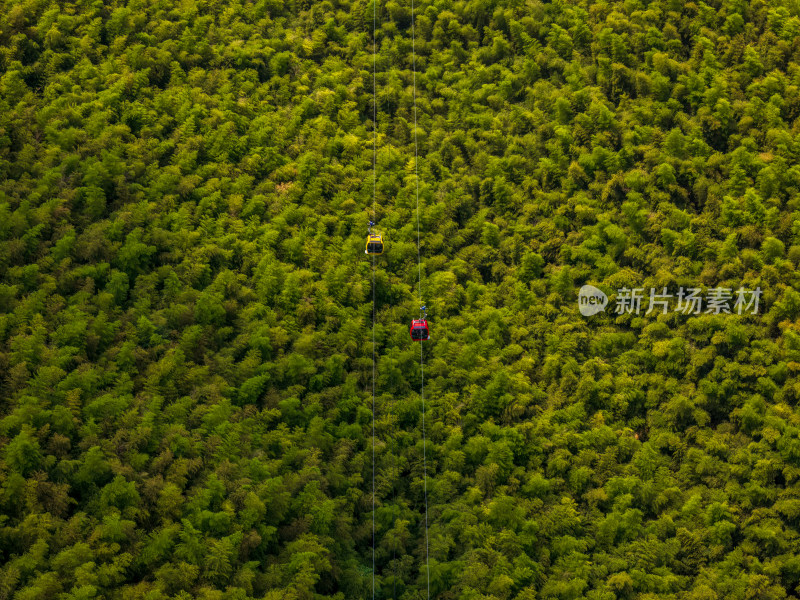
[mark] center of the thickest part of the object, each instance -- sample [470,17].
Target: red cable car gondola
[419,330]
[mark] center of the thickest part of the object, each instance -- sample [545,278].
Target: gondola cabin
[419,330]
[374,244]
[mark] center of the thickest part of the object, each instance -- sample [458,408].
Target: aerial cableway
[419,329]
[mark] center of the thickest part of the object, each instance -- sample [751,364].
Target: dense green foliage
[185,305]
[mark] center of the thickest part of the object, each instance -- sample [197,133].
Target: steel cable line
[374,194]
[419,287]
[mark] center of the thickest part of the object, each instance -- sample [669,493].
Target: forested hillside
[186,306]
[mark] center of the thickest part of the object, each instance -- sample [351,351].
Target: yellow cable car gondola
[374,242]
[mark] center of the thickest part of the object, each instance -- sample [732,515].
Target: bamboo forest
[394,299]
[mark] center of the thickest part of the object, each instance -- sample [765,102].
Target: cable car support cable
[374,194]
[419,287]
